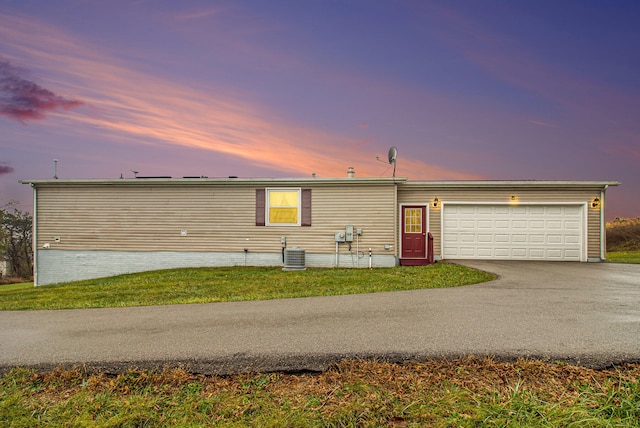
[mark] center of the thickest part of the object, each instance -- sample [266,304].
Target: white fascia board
[225,181]
[509,184]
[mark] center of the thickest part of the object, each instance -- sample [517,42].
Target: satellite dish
[393,154]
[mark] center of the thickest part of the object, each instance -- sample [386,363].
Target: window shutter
[306,208]
[260,207]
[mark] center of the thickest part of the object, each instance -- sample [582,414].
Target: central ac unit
[294,259]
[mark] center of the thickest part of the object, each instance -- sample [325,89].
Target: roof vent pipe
[351,172]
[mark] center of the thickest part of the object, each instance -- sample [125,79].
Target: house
[93,228]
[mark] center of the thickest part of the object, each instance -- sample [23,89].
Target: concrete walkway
[586,314]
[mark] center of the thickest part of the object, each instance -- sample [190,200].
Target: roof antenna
[55,169]
[135,173]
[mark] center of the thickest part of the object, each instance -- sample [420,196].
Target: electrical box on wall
[348,233]
[340,237]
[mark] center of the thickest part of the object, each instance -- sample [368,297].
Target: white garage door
[505,232]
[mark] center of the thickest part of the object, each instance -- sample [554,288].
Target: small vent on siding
[294,259]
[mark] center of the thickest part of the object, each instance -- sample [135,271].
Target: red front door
[414,233]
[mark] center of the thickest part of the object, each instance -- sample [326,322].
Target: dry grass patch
[467,392]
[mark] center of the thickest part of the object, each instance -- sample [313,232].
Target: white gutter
[35,236]
[603,225]
[466,184]
[396,221]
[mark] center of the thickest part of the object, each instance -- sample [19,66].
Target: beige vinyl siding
[216,217]
[417,195]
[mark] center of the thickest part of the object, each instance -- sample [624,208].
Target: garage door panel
[554,210]
[537,253]
[519,253]
[485,252]
[555,254]
[554,239]
[467,252]
[537,239]
[571,239]
[502,252]
[536,224]
[554,224]
[518,239]
[467,237]
[571,225]
[571,254]
[524,232]
[519,224]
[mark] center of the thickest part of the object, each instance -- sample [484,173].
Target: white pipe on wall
[35,236]
[603,225]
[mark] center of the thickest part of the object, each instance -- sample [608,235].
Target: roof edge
[404,182]
[510,183]
[204,181]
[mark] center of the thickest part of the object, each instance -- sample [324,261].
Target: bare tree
[16,234]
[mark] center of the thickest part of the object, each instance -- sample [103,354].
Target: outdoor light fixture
[513,197]
[595,203]
[436,202]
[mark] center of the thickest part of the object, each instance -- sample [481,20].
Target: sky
[465,89]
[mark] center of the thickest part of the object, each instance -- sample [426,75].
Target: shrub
[623,234]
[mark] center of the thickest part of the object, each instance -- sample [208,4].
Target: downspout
[35,236]
[603,225]
[396,227]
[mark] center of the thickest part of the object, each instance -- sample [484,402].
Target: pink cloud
[140,108]
[22,99]
[539,123]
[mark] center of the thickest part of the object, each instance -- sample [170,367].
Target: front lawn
[225,284]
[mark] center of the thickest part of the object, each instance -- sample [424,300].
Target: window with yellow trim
[283,207]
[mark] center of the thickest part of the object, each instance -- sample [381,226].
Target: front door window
[413,220]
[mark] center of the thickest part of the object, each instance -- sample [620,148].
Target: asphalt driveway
[580,313]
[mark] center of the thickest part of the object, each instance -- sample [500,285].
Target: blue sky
[503,90]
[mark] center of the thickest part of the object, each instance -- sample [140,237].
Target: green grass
[204,285]
[439,393]
[15,286]
[623,257]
